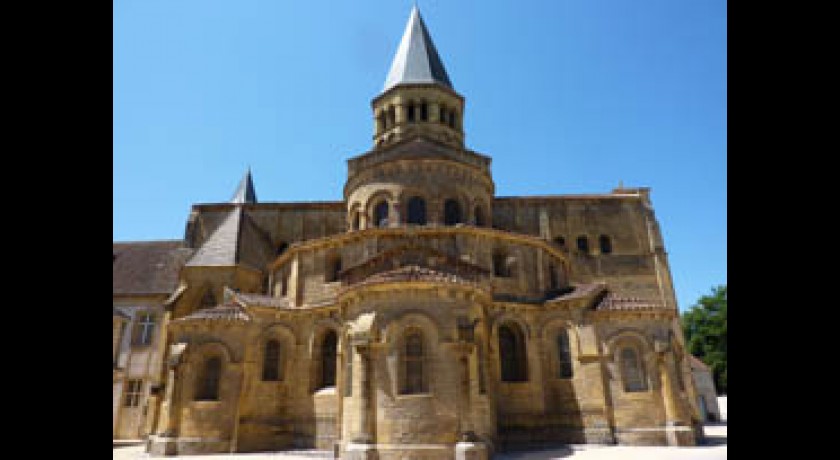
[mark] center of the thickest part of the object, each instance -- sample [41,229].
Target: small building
[706,394]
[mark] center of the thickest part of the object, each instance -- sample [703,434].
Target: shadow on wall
[560,452]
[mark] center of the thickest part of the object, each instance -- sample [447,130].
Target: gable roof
[147,267]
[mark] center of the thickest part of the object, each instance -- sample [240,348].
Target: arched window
[328,355]
[451,119]
[424,111]
[451,212]
[606,244]
[560,242]
[411,112]
[564,356]
[480,221]
[380,122]
[392,116]
[416,211]
[380,214]
[208,382]
[583,244]
[332,267]
[632,371]
[414,381]
[501,264]
[512,353]
[271,361]
[553,281]
[208,300]
[356,221]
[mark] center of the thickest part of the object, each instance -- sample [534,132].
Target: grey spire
[417,60]
[245,191]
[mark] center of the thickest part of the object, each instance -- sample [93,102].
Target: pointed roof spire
[417,60]
[245,191]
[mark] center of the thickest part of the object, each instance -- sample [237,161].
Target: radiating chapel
[418,317]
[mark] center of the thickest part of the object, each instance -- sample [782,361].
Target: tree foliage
[704,325]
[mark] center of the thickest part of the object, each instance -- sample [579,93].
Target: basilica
[419,316]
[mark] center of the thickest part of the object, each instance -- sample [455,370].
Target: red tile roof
[226,312]
[613,302]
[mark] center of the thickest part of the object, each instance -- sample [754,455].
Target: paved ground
[715,448]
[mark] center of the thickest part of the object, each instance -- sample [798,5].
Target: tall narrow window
[442,115]
[416,211]
[553,281]
[208,382]
[144,330]
[501,264]
[328,356]
[414,381]
[451,119]
[380,214]
[480,221]
[133,391]
[332,267]
[482,385]
[208,300]
[564,356]
[583,244]
[424,111]
[451,212]
[392,116]
[355,221]
[606,244]
[632,371]
[271,361]
[512,353]
[411,112]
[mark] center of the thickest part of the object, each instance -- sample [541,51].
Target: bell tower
[418,97]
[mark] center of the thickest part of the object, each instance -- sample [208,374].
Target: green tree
[704,325]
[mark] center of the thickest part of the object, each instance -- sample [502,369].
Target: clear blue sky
[566,96]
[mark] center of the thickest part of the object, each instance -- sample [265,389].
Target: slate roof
[697,364]
[417,59]
[238,239]
[245,191]
[147,267]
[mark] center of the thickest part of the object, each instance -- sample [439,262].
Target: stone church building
[418,317]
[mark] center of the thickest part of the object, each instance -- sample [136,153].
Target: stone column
[676,431]
[361,446]
[363,436]
[672,409]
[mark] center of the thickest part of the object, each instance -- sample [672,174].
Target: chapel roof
[147,267]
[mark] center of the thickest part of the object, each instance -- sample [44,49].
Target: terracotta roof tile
[262,300]
[613,302]
[225,312]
